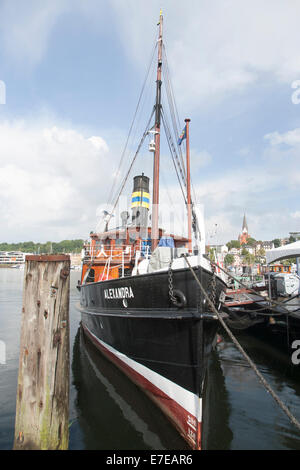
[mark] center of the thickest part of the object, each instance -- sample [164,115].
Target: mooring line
[243,352]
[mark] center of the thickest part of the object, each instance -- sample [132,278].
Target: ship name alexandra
[119,293]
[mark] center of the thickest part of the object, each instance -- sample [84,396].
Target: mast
[188,184]
[155,197]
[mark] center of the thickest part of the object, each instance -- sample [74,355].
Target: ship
[140,303]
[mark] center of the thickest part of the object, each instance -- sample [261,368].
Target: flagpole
[188,185]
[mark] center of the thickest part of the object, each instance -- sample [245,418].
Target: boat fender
[180,298]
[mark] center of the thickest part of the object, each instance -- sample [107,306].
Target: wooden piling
[42,409]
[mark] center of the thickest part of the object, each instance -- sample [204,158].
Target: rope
[131,165]
[131,127]
[173,108]
[272,302]
[245,355]
[173,153]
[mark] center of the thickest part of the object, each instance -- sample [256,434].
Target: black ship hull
[162,347]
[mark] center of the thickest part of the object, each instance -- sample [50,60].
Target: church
[244,236]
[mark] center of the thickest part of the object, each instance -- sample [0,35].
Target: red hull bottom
[186,422]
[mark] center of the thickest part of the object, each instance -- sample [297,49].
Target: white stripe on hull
[191,403]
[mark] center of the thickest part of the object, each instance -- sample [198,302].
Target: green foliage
[288,261]
[276,242]
[233,244]
[65,246]
[251,242]
[249,258]
[261,252]
[245,252]
[229,259]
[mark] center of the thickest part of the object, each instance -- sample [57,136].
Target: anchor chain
[171,287]
[213,287]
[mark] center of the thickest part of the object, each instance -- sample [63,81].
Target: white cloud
[54,177]
[51,180]
[290,138]
[219,47]
[257,190]
[214,48]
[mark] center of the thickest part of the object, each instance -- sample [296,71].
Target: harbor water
[108,412]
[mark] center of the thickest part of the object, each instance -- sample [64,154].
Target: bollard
[42,406]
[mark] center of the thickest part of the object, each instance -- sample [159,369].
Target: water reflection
[108,411]
[112,412]
[255,419]
[216,411]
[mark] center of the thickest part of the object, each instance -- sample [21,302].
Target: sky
[71,72]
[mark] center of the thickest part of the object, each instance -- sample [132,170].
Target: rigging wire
[131,165]
[173,109]
[110,197]
[242,351]
[175,116]
[138,118]
[175,212]
[175,149]
[172,93]
[173,154]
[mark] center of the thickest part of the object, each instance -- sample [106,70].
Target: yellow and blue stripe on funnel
[140,199]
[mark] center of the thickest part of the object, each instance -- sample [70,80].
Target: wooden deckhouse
[115,253]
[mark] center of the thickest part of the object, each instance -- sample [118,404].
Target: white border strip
[188,400]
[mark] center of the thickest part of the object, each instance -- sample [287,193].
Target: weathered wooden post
[42,412]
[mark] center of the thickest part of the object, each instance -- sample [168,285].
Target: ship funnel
[140,201]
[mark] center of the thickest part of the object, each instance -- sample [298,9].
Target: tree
[233,244]
[249,259]
[289,261]
[65,246]
[261,252]
[277,242]
[251,242]
[245,252]
[229,259]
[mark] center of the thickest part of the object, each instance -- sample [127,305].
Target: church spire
[245,226]
[244,236]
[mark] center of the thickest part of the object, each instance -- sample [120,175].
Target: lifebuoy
[180,298]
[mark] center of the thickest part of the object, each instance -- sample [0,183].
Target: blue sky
[73,70]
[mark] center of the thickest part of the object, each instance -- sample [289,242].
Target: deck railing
[114,256]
